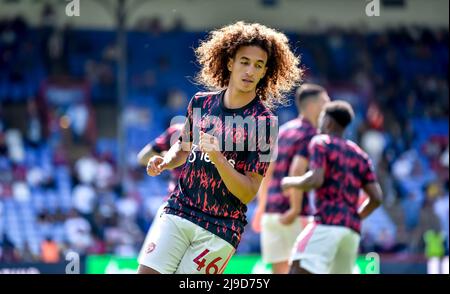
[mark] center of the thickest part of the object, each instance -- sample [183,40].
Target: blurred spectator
[84,200]
[34,133]
[105,174]
[49,251]
[86,169]
[16,150]
[129,236]
[127,208]
[440,208]
[78,115]
[373,143]
[21,191]
[78,232]
[434,244]
[9,251]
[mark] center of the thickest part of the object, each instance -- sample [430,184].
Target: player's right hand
[155,165]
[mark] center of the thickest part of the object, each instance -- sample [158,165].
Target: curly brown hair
[283,71]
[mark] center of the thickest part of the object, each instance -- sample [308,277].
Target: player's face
[247,68]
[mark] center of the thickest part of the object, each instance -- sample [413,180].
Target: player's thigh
[209,254]
[165,245]
[347,252]
[315,248]
[277,239]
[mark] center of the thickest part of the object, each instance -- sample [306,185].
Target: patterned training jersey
[293,139]
[201,195]
[347,169]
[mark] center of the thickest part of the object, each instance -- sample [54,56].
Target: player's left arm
[158,146]
[372,189]
[146,153]
[243,186]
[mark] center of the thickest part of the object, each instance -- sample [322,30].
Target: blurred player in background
[338,170]
[159,147]
[280,223]
[205,217]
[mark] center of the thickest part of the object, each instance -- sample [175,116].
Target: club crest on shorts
[150,247]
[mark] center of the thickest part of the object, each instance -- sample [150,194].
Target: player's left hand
[210,145]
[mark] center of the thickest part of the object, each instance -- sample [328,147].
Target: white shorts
[277,239]
[157,217]
[324,249]
[179,246]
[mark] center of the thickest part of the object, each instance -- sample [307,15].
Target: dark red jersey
[201,195]
[347,170]
[293,139]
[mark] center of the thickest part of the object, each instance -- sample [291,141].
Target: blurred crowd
[60,187]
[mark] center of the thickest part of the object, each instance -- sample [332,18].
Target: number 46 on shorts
[211,266]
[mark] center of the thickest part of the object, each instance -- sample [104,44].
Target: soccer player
[338,170]
[160,146]
[280,222]
[252,66]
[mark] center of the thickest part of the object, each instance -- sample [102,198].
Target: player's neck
[309,119]
[234,98]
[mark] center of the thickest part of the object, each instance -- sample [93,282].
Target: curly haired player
[226,146]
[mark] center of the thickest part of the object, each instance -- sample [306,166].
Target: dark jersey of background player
[159,145]
[293,139]
[162,143]
[201,195]
[347,170]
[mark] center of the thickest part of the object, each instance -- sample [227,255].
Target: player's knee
[145,270]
